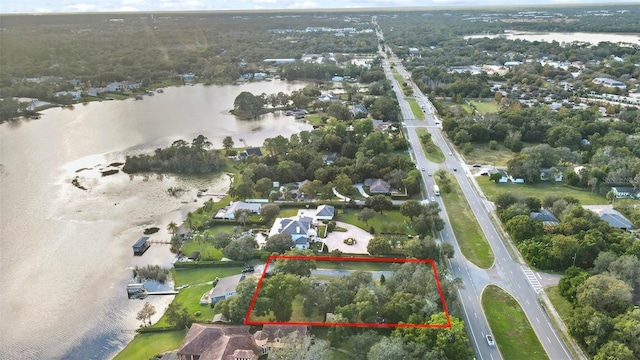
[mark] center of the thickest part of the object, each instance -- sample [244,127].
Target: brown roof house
[220,342]
[274,335]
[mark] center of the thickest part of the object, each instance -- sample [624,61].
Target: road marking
[539,277]
[528,302]
[538,320]
[549,340]
[476,314]
[533,280]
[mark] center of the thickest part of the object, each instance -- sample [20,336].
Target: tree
[227,143]
[296,267]
[295,347]
[429,221]
[389,348]
[379,246]
[343,184]
[172,227]
[421,248]
[269,212]
[263,186]
[240,249]
[363,342]
[279,243]
[522,227]
[247,106]
[366,214]
[605,293]
[411,209]
[178,316]
[379,203]
[222,239]
[614,350]
[277,294]
[242,216]
[146,313]
[236,307]
[401,306]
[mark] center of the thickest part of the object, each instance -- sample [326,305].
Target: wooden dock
[168,292]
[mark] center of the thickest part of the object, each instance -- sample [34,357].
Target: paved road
[507,272]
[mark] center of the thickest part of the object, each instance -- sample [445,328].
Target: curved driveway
[335,239]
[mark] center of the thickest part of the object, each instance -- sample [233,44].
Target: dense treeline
[180,157]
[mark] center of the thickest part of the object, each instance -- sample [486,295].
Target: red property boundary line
[350,324]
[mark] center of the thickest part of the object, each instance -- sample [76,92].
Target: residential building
[504,177]
[224,289]
[220,342]
[377,186]
[275,334]
[546,217]
[324,212]
[228,212]
[300,228]
[625,192]
[330,158]
[610,83]
[121,86]
[551,174]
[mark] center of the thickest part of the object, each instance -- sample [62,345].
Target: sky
[73,6]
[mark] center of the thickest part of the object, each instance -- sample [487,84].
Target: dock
[168,292]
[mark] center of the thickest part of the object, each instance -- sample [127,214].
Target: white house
[300,228]
[324,212]
[552,174]
[229,211]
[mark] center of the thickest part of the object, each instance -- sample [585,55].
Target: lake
[592,38]
[65,253]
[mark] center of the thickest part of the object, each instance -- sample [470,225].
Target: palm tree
[172,228]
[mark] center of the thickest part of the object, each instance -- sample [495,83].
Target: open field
[436,154]
[511,329]
[485,106]
[144,346]
[470,238]
[482,154]
[415,108]
[562,306]
[539,190]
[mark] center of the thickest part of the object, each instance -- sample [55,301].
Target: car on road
[423,169]
[430,173]
[450,153]
[476,165]
[248,269]
[455,169]
[433,198]
[490,340]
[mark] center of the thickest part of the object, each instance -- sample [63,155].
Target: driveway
[335,240]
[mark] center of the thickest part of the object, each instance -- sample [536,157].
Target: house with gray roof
[616,219]
[625,192]
[224,289]
[377,186]
[300,228]
[325,212]
[546,217]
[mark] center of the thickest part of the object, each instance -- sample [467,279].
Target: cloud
[82,7]
[264,1]
[303,5]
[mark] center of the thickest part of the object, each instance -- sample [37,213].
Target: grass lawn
[144,346]
[539,190]
[485,106]
[562,306]
[288,212]
[468,233]
[435,156]
[394,216]
[416,109]
[467,108]
[297,314]
[511,329]
[482,154]
[315,119]
[194,276]
[207,250]
[354,265]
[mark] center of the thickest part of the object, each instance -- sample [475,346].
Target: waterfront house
[228,212]
[220,342]
[223,289]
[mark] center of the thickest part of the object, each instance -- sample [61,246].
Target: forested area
[408,295]
[180,157]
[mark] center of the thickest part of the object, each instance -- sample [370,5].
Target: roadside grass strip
[432,152]
[415,108]
[510,328]
[147,345]
[473,244]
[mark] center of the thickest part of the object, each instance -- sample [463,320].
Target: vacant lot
[539,190]
[485,106]
[511,329]
[473,244]
[484,155]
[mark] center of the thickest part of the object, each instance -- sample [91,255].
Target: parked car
[248,269]
[490,341]
[476,165]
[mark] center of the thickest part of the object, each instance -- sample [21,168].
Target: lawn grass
[354,265]
[483,154]
[147,345]
[511,330]
[562,306]
[473,244]
[350,216]
[297,314]
[315,119]
[194,276]
[539,190]
[416,109]
[485,106]
[435,156]
[207,250]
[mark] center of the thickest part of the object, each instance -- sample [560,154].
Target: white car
[490,341]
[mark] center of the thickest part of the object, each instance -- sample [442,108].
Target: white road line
[538,320]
